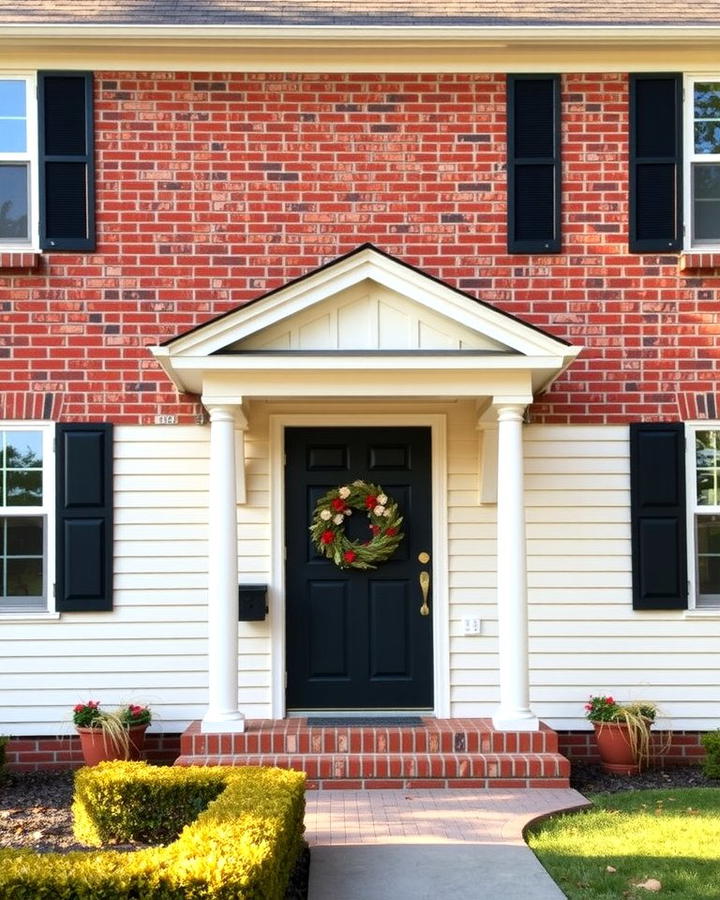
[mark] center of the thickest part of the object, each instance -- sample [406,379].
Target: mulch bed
[590,779]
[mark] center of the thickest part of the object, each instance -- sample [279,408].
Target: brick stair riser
[411,766]
[368,741]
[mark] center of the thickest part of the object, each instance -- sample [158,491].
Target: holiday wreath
[328,525]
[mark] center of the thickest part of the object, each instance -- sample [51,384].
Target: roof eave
[358,34]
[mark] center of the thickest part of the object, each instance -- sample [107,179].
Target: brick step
[408,770]
[434,736]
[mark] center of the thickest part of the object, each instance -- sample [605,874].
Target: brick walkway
[380,844]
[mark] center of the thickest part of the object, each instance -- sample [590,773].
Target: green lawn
[672,836]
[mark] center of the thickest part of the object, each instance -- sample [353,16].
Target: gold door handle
[424,588]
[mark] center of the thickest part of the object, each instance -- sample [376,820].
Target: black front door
[356,639]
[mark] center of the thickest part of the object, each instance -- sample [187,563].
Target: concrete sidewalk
[464,844]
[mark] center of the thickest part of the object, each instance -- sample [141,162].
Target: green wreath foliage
[328,525]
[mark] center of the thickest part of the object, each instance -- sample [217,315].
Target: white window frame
[694,509]
[30,157]
[690,157]
[46,510]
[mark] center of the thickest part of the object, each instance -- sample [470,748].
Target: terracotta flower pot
[97,746]
[617,754]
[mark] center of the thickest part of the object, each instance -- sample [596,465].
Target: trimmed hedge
[243,845]
[711,743]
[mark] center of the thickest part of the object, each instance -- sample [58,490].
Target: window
[18,166]
[702,139]
[26,503]
[46,161]
[704,514]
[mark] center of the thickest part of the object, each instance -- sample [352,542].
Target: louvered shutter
[657,497]
[655,163]
[67,181]
[533,164]
[84,517]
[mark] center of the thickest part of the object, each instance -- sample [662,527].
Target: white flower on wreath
[325,514]
[382,499]
[379,510]
[387,513]
[347,511]
[339,519]
[344,492]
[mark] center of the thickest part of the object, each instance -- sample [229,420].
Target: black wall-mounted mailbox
[252,602]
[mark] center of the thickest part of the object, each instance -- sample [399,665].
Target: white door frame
[437,423]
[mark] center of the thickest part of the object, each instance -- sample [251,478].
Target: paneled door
[359,639]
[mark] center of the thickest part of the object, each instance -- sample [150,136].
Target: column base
[513,720]
[218,725]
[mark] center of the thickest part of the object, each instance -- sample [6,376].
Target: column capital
[224,410]
[509,408]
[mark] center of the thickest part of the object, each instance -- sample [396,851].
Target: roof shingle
[479,13]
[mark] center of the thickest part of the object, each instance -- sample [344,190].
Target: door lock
[424,558]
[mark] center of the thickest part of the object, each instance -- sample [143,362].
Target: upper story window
[26,498]
[704,513]
[702,109]
[18,161]
[46,161]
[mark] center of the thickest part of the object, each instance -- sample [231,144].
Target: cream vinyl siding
[584,635]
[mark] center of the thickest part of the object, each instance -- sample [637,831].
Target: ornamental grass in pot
[105,735]
[622,733]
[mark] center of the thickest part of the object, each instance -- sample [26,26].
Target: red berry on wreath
[337,504]
[327,537]
[370,501]
[349,555]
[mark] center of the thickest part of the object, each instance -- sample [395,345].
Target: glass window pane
[707,100]
[12,97]
[708,559]
[13,126]
[23,449]
[25,536]
[706,202]
[12,136]
[23,487]
[707,461]
[14,202]
[24,577]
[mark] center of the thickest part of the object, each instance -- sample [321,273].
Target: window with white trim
[702,167]
[704,513]
[26,504]
[18,161]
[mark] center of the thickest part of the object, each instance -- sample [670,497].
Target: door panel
[355,639]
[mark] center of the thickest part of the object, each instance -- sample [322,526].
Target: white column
[223,714]
[514,713]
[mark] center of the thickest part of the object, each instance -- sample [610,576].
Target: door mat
[364,721]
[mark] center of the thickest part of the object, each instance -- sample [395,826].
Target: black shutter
[657,499]
[533,106]
[655,163]
[67,179]
[84,517]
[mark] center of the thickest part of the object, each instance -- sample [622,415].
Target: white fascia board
[389,362]
[490,35]
[369,265]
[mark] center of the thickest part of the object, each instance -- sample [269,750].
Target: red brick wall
[683,749]
[31,754]
[213,189]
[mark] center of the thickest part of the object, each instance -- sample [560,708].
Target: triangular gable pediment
[366,282]
[364,305]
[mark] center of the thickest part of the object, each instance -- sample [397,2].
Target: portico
[364,333]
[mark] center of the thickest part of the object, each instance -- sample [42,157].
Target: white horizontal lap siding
[472,576]
[153,647]
[585,636]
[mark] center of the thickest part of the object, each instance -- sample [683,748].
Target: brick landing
[441,753]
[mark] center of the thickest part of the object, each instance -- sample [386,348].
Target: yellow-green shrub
[243,845]
[116,802]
